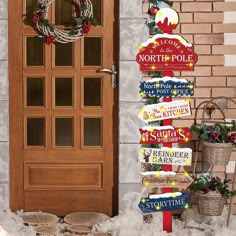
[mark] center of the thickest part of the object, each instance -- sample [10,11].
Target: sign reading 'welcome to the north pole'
[165,110]
[165,52]
[164,134]
[166,87]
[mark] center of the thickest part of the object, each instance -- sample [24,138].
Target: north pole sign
[172,201]
[166,52]
[166,87]
[165,110]
[165,155]
[166,179]
[164,134]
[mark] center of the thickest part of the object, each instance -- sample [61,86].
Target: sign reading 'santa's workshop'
[165,52]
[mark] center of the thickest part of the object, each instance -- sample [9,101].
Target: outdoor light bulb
[190,64]
[158,85]
[170,151]
[186,174]
[174,91]
[146,183]
[187,101]
[143,138]
[143,200]
[158,207]
[158,174]
[142,151]
[174,195]
[186,206]
[186,139]
[173,183]
[140,47]
[153,67]
[162,109]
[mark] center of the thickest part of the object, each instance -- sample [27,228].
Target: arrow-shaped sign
[166,87]
[164,134]
[165,110]
[164,202]
[166,179]
[165,155]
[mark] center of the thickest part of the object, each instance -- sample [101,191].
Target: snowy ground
[130,223]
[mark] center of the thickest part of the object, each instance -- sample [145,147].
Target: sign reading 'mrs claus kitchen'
[165,52]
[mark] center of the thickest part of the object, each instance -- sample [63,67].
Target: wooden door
[63,114]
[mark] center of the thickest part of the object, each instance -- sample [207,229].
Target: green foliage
[205,184]
[155,2]
[216,133]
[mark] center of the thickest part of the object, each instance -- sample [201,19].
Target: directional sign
[172,201]
[170,180]
[166,87]
[165,52]
[165,155]
[165,110]
[164,134]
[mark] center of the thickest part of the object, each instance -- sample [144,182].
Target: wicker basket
[216,153]
[211,204]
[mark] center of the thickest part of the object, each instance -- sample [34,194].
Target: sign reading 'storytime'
[166,179]
[165,52]
[165,110]
[166,87]
[164,202]
[165,155]
[164,134]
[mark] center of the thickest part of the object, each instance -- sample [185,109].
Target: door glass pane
[92,51]
[92,92]
[92,132]
[35,92]
[97,10]
[64,131]
[63,12]
[34,51]
[63,92]
[63,54]
[30,7]
[35,132]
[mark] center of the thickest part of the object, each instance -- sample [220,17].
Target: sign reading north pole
[166,52]
[164,134]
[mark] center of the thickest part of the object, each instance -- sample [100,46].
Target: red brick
[209,39]
[223,49]
[209,17]
[202,49]
[198,71]
[210,81]
[224,28]
[176,6]
[231,81]
[229,92]
[224,6]
[196,7]
[220,70]
[185,17]
[195,28]
[210,60]
[202,92]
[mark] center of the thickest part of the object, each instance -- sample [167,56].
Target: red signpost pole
[167,215]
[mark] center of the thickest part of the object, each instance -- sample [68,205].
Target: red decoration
[176,135]
[154,10]
[164,52]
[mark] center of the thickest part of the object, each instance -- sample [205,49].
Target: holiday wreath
[51,34]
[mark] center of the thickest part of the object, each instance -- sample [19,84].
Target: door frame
[16,166]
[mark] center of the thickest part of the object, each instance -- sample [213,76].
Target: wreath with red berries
[51,34]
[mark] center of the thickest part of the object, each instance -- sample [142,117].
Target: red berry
[154,10]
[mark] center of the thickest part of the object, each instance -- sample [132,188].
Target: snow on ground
[130,223]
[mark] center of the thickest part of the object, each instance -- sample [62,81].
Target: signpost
[165,53]
[171,180]
[165,110]
[167,202]
[164,134]
[165,155]
[166,87]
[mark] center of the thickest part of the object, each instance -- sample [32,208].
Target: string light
[143,200]
[186,206]
[158,207]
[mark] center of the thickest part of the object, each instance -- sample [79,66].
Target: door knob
[112,72]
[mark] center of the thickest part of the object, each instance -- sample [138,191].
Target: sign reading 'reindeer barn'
[166,52]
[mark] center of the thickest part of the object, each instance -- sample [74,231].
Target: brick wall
[211,27]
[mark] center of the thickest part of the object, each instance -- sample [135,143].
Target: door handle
[112,72]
